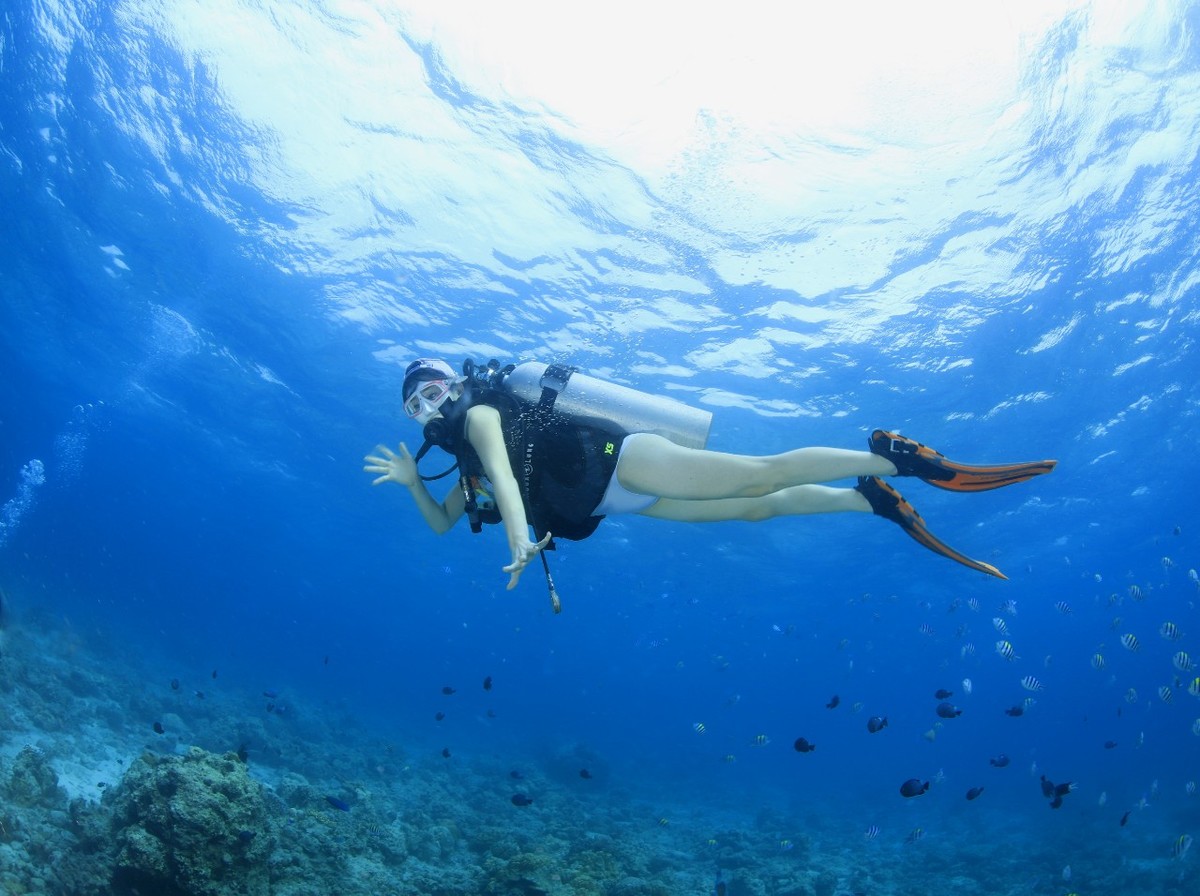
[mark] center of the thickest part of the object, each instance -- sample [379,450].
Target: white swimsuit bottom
[617,498]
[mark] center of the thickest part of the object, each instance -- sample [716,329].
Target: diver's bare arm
[399,467]
[440,517]
[487,438]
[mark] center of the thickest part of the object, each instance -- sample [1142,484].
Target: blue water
[227,229]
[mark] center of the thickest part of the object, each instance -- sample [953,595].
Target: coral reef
[32,823]
[32,782]
[197,824]
[309,805]
[191,825]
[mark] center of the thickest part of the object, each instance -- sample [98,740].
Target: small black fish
[491,713]
[214,673]
[999,761]
[445,752]
[174,684]
[270,707]
[439,716]
[585,774]
[876,723]
[520,799]
[1055,792]
[270,695]
[1015,711]
[1110,745]
[487,683]
[1125,818]
[913,787]
[943,694]
[326,659]
[338,803]
[803,746]
[243,753]
[447,690]
[948,711]
[199,695]
[158,728]
[833,702]
[245,836]
[974,792]
[515,775]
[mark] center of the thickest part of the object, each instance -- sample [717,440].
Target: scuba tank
[588,400]
[566,391]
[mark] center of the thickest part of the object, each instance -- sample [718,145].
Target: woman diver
[534,459]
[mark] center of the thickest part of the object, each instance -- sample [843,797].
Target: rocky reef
[190,825]
[32,823]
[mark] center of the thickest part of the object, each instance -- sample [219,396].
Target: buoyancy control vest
[562,432]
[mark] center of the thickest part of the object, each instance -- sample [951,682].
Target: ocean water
[229,226]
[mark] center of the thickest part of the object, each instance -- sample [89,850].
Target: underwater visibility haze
[230,665]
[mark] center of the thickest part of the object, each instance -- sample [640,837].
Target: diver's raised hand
[523,552]
[392,467]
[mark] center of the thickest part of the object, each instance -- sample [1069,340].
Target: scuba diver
[549,448]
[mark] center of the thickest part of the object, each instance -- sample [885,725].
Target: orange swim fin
[914,459]
[888,503]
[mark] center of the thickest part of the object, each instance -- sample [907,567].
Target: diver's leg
[872,495]
[793,501]
[652,465]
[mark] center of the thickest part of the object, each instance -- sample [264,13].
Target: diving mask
[427,399]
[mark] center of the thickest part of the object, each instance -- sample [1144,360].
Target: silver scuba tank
[587,399]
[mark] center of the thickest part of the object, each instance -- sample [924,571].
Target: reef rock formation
[195,824]
[33,782]
[190,825]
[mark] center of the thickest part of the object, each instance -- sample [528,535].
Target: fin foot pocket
[914,459]
[888,503]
